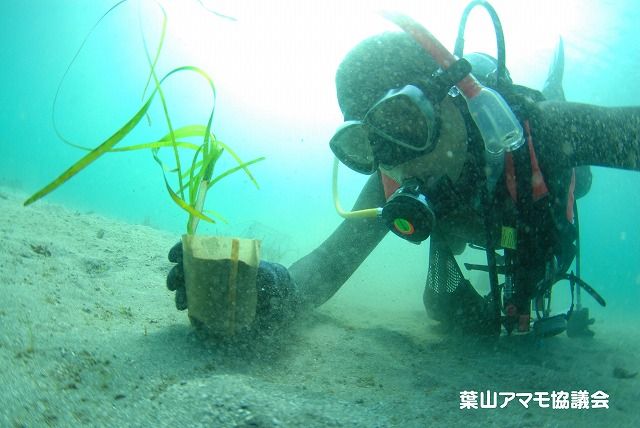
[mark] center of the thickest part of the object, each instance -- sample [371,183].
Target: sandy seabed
[89,336]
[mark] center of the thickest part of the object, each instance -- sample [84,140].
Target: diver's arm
[322,272]
[573,134]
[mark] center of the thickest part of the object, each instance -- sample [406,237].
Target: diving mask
[401,126]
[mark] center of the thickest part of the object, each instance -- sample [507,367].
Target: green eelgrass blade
[165,109]
[103,148]
[198,182]
[237,158]
[218,14]
[152,64]
[183,132]
[179,199]
[182,204]
[230,171]
[166,141]
[217,215]
[68,69]
[92,155]
[195,178]
[207,165]
[242,165]
[108,144]
[154,145]
[209,151]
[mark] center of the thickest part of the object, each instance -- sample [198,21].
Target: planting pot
[220,279]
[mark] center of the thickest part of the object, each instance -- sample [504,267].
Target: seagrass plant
[193,179]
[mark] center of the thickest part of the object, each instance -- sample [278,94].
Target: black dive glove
[175,278]
[278,297]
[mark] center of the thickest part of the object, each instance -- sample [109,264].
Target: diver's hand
[175,278]
[278,297]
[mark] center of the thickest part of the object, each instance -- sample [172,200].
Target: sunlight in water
[282,56]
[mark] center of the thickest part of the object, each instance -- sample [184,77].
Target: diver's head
[398,114]
[376,65]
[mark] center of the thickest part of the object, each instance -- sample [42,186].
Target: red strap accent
[390,185]
[538,186]
[510,176]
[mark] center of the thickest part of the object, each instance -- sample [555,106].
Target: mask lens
[403,117]
[351,145]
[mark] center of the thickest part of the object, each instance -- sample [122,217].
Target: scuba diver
[457,153]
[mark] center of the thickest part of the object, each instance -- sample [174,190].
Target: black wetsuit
[565,135]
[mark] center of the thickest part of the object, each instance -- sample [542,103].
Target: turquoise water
[274,70]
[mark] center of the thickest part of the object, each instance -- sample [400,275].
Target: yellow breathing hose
[368,213]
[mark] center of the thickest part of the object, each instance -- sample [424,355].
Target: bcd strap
[530,226]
